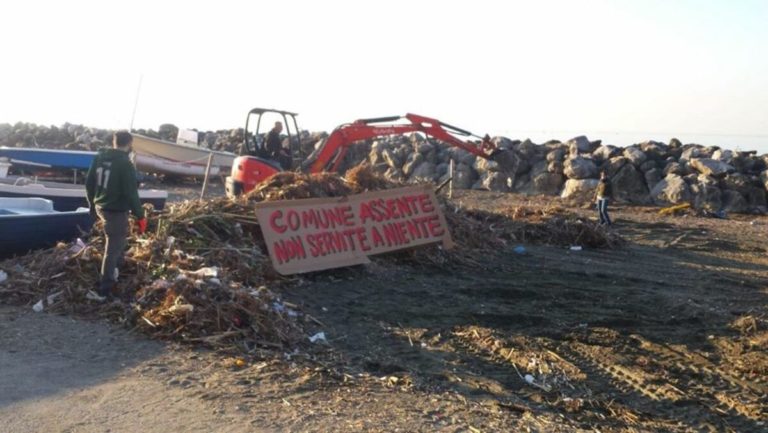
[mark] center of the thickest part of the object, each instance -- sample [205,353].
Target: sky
[614,69]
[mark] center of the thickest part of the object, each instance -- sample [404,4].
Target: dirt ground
[668,333]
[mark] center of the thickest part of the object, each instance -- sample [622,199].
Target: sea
[740,142]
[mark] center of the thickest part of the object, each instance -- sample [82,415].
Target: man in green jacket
[112,191]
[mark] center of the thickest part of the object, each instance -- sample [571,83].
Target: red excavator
[252,167]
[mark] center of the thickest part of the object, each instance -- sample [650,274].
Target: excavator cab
[254,163]
[258,124]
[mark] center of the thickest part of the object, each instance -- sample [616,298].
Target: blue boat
[48,158]
[28,224]
[66,196]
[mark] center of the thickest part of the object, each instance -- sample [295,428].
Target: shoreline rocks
[651,172]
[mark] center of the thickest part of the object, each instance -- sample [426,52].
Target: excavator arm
[329,155]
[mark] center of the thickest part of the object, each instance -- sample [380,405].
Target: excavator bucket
[507,160]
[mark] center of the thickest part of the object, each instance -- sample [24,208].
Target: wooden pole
[450,176]
[207,173]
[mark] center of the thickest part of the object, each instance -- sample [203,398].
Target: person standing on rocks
[602,194]
[112,192]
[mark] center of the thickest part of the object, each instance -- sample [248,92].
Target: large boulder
[469,159]
[424,147]
[378,146]
[721,155]
[706,194]
[655,150]
[556,167]
[556,154]
[538,168]
[710,167]
[674,168]
[503,142]
[424,172]
[737,182]
[432,157]
[648,165]
[764,178]
[483,165]
[635,155]
[547,183]
[526,149]
[581,190]
[757,199]
[391,158]
[395,174]
[605,152]
[580,168]
[441,169]
[464,176]
[613,165]
[692,151]
[493,181]
[734,202]
[580,144]
[671,189]
[414,160]
[374,157]
[628,185]
[652,177]
[523,184]
[746,163]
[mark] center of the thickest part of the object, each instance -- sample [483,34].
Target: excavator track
[702,392]
[695,394]
[697,364]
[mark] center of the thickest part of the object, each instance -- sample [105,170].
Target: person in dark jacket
[602,195]
[112,192]
[274,147]
[273,143]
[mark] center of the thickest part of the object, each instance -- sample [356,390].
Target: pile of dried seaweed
[201,272]
[548,226]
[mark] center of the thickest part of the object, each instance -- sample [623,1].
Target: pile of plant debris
[201,273]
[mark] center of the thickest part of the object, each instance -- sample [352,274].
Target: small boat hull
[48,158]
[155,164]
[67,197]
[22,231]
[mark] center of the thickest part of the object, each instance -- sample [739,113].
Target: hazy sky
[553,67]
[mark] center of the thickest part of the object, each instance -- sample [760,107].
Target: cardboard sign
[324,233]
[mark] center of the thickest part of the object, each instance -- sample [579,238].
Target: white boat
[155,164]
[66,196]
[160,156]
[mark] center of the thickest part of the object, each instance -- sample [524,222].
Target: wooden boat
[66,196]
[28,224]
[159,156]
[155,164]
[48,158]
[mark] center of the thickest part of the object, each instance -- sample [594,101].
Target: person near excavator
[603,193]
[274,147]
[112,192]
